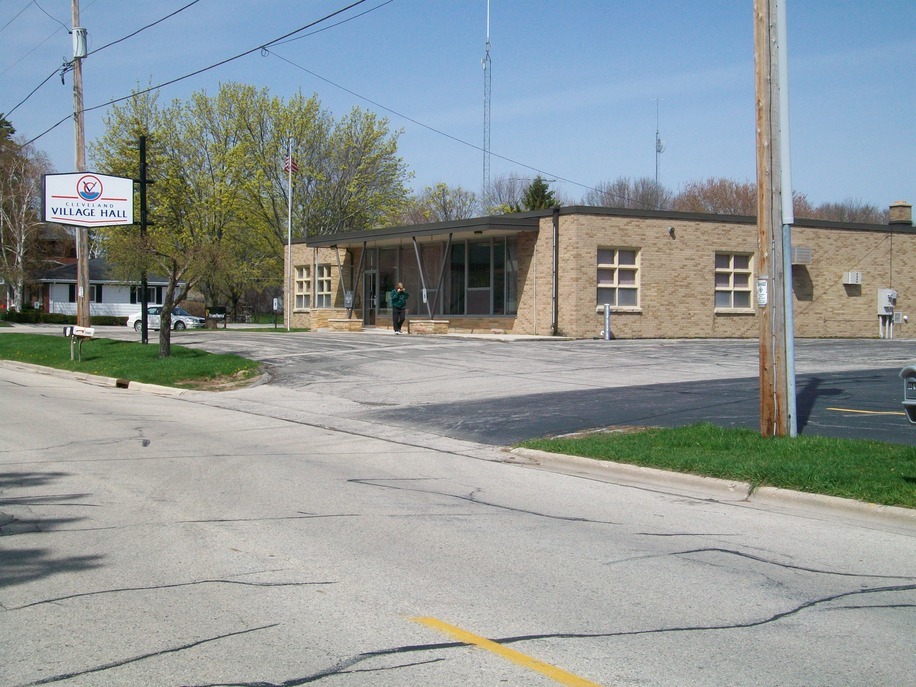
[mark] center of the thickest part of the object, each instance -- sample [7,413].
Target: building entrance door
[370,297]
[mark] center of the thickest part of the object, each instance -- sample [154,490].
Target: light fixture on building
[671,232]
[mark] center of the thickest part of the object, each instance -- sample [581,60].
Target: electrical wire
[144,28]
[17,15]
[35,2]
[326,28]
[287,38]
[69,64]
[440,132]
[263,47]
[34,90]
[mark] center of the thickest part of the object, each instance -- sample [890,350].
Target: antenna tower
[487,72]
[659,149]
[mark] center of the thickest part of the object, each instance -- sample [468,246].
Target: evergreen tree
[539,196]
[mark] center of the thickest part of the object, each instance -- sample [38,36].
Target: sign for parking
[88,200]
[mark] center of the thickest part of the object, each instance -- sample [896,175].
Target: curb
[719,489]
[94,379]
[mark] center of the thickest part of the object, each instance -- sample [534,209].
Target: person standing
[398,302]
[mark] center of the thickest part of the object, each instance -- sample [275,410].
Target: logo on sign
[87,199]
[89,187]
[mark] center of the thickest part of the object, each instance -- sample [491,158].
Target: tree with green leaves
[440,203]
[21,171]
[6,130]
[349,174]
[538,195]
[505,194]
[220,199]
[184,201]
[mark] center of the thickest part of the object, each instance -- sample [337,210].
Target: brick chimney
[900,212]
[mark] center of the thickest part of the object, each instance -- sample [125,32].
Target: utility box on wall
[887,301]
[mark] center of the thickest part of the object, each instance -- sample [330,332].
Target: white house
[107,296]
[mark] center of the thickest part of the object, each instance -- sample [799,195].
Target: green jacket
[398,300]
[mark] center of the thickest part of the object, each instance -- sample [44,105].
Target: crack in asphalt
[477,502]
[344,667]
[176,585]
[759,559]
[142,657]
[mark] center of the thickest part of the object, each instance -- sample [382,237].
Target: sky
[579,87]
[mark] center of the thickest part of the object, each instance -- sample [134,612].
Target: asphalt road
[281,536]
[500,390]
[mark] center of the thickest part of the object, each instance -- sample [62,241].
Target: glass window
[303,287]
[456,280]
[387,273]
[499,276]
[323,287]
[733,281]
[511,276]
[480,278]
[617,277]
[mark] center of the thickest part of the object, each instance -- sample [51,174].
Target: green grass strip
[186,368]
[871,471]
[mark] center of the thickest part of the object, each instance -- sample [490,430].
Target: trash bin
[909,391]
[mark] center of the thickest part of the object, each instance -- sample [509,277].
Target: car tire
[138,326]
[180,325]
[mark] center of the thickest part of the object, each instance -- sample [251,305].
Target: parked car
[181,319]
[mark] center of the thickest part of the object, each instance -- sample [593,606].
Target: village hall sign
[88,200]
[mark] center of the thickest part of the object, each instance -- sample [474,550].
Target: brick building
[664,275]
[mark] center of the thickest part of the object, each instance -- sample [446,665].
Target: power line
[67,64]
[17,15]
[439,132]
[286,38]
[35,2]
[144,28]
[263,47]
[331,26]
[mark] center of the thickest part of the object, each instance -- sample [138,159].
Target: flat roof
[498,225]
[504,225]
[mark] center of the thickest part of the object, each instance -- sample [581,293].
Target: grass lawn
[186,368]
[870,471]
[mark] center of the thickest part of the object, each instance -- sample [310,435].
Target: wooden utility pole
[771,251]
[144,223]
[82,233]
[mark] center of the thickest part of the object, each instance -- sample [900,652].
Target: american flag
[290,162]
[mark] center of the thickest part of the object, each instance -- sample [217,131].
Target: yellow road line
[554,673]
[868,412]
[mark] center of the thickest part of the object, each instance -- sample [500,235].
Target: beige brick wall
[318,318]
[677,288]
[676,278]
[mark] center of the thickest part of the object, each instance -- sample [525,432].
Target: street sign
[87,200]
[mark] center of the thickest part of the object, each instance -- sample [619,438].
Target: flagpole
[289,233]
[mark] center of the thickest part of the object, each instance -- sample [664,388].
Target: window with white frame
[323,286]
[303,287]
[733,281]
[618,277]
[153,295]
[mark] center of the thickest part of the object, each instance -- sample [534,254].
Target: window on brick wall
[618,277]
[323,287]
[303,287]
[733,281]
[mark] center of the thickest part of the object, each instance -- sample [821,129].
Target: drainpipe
[555,306]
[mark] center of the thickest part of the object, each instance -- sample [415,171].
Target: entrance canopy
[501,225]
[430,275]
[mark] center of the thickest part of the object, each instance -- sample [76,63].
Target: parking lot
[501,389]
